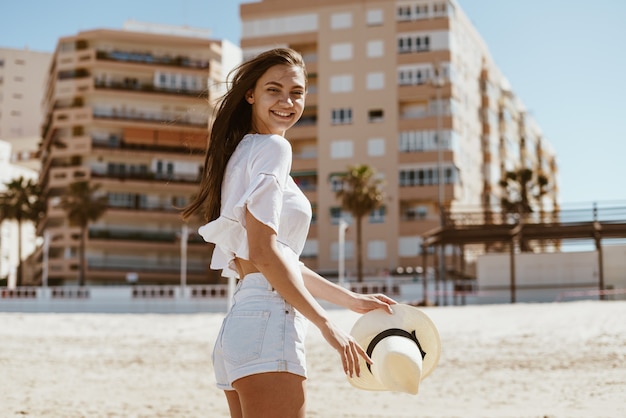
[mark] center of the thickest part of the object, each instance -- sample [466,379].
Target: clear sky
[565,59]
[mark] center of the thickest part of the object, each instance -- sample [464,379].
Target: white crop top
[257,178]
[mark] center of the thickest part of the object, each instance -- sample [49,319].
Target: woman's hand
[365,303]
[348,348]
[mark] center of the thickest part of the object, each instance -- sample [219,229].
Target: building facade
[410,89]
[129,110]
[22,78]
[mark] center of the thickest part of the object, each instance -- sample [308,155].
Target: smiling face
[277,99]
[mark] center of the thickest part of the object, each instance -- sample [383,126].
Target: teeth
[282,114]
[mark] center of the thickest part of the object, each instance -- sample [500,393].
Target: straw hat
[404,346]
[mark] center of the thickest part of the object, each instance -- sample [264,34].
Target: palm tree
[82,206]
[522,188]
[361,193]
[21,202]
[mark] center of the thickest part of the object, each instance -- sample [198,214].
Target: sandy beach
[527,360]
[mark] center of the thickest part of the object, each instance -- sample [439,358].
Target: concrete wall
[554,270]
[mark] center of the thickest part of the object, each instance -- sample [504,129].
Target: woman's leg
[233,403]
[271,395]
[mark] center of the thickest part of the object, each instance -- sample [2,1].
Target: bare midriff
[245,267]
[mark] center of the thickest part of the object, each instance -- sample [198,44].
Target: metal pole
[440,192]
[46,251]
[343,225]
[183,256]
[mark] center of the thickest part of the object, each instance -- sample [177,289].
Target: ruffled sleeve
[255,180]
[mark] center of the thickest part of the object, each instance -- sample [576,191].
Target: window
[414,213]
[20,62]
[342,149]
[409,246]
[337,213]
[311,249]
[376,115]
[404,13]
[120,200]
[341,116]
[405,44]
[336,184]
[375,49]
[341,21]
[426,176]
[375,81]
[377,216]
[348,250]
[341,83]
[377,250]
[376,147]
[280,25]
[374,17]
[341,52]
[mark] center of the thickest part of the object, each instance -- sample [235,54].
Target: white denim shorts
[261,333]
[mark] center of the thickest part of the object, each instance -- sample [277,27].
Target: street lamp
[343,225]
[438,83]
[184,236]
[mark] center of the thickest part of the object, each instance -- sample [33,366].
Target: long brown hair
[232,121]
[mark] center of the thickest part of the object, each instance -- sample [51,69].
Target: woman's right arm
[268,259]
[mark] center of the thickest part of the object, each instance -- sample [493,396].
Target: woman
[259,220]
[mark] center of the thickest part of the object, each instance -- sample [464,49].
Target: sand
[526,360]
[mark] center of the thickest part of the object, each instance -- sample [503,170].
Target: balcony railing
[150,88]
[138,235]
[478,216]
[140,116]
[118,143]
[147,58]
[170,178]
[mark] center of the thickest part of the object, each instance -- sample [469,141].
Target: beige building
[22,77]
[410,89]
[129,110]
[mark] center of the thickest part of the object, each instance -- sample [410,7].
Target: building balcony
[70,60]
[154,118]
[426,192]
[426,121]
[139,179]
[115,272]
[62,267]
[70,117]
[62,237]
[70,146]
[153,60]
[73,87]
[304,129]
[107,147]
[308,163]
[133,239]
[62,177]
[417,226]
[150,88]
[137,214]
[423,91]
[426,24]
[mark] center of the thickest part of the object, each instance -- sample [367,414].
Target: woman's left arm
[321,288]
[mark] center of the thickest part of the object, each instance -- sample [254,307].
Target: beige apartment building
[129,110]
[22,77]
[410,89]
